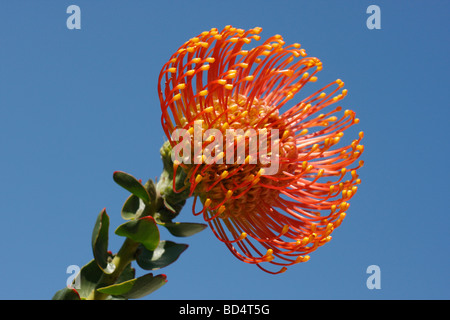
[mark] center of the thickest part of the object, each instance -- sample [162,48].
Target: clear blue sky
[77,105]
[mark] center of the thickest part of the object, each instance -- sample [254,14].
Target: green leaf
[118,289]
[166,253]
[174,207]
[127,274]
[87,278]
[133,206]
[145,285]
[90,275]
[143,230]
[151,189]
[66,294]
[184,229]
[169,210]
[135,288]
[100,240]
[131,184]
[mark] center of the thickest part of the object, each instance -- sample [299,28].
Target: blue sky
[77,105]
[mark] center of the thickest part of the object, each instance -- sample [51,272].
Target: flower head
[268,202]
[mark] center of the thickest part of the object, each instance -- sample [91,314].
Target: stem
[164,193]
[122,259]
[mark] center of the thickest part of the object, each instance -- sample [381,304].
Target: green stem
[164,195]
[122,259]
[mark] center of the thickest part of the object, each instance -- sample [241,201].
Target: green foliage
[66,294]
[131,184]
[100,240]
[143,230]
[135,206]
[164,254]
[135,288]
[111,276]
[184,229]
[87,279]
[132,207]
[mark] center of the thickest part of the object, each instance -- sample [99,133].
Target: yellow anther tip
[198,178]
[208,110]
[305,240]
[268,253]
[224,175]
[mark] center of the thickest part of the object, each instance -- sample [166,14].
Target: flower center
[242,182]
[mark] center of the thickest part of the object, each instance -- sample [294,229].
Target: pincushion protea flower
[281,217]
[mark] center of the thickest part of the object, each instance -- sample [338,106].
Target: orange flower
[213,83]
